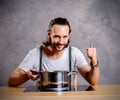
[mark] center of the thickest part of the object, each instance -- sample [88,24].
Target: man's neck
[52,53]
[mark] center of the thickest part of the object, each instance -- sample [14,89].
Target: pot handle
[73,74]
[36,73]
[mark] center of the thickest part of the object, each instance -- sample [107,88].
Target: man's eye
[65,37]
[56,36]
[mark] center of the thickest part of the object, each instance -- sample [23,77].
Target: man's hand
[91,53]
[31,75]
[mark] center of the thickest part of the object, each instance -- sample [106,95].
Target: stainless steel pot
[55,81]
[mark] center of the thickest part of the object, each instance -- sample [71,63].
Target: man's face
[59,37]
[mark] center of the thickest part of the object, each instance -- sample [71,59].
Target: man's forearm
[17,77]
[16,81]
[94,76]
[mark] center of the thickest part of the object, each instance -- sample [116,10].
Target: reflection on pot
[56,81]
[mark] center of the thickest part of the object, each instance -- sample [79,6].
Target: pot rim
[58,71]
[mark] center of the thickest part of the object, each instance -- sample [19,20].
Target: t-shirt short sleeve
[27,62]
[79,58]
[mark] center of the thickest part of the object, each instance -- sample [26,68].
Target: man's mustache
[59,44]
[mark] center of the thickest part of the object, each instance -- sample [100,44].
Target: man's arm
[19,76]
[90,74]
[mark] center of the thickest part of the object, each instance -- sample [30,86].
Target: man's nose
[61,40]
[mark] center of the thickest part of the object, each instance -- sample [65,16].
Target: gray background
[24,23]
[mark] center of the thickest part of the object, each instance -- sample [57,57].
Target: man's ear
[48,32]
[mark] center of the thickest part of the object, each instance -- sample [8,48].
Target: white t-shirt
[32,60]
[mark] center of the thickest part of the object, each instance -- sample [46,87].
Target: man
[55,57]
